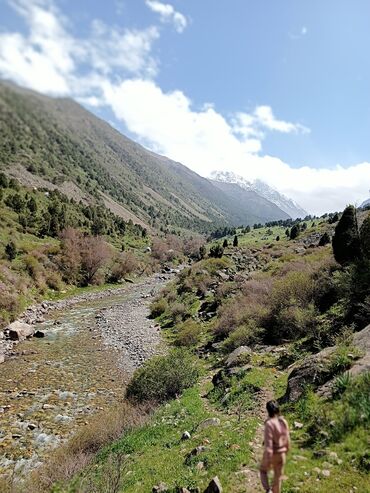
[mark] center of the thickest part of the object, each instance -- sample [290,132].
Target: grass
[157,453]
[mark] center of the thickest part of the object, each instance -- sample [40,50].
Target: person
[277,444]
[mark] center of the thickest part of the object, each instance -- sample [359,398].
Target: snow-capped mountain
[284,203]
[366,203]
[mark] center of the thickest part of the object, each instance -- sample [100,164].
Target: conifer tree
[236,241]
[346,239]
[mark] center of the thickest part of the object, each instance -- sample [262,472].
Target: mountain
[55,143]
[365,203]
[262,189]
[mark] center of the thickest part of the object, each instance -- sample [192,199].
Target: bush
[346,239]
[216,251]
[188,334]
[157,308]
[123,265]
[244,335]
[163,377]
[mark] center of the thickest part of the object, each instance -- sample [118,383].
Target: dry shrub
[167,249]
[244,335]
[178,312]
[79,452]
[124,264]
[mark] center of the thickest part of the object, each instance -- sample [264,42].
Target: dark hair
[272,408]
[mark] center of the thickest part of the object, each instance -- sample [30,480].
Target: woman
[277,444]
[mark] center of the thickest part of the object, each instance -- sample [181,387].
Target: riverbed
[54,384]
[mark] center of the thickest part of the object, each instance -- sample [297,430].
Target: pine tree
[365,237]
[294,232]
[346,239]
[236,241]
[225,243]
[11,250]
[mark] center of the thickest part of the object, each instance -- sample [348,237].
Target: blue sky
[270,89]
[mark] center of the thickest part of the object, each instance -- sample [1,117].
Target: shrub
[157,308]
[11,250]
[365,237]
[324,240]
[123,264]
[189,334]
[244,335]
[163,377]
[216,251]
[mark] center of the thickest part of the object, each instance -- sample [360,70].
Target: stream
[57,382]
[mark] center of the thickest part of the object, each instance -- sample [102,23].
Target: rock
[238,355]
[31,426]
[195,452]
[39,334]
[186,436]
[2,357]
[315,371]
[209,422]
[19,331]
[200,466]
[62,419]
[325,473]
[184,490]
[160,488]
[214,486]
[298,425]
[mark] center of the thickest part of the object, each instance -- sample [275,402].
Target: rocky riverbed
[49,387]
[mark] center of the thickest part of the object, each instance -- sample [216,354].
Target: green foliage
[235,241]
[188,334]
[11,250]
[365,237]
[244,335]
[216,251]
[346,239]
[294,232]
[163,377]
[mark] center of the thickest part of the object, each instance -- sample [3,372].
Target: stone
[298,425]
[186,436]
[214,486]
[160,488]
[200,466]
[238,355]
[19,331]
[325,473]
[2,358]
[39,334]
[209,422]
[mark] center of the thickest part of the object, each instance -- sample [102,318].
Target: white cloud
[48,57]
[205,141]
[168,13]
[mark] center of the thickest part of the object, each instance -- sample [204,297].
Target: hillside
[56,143]
[273,317]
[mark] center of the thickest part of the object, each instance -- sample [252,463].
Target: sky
[271,89]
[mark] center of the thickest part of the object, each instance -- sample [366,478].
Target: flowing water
[55,383]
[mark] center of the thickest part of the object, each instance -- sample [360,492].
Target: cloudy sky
[269,89]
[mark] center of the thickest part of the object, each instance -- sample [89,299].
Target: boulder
[19,331]
[2,357]
[209,422]
[238,355]
[160,488]
[214,486]
[314,370]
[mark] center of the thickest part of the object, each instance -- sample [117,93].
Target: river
[54,384]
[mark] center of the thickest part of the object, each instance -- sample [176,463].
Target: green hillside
[56,143]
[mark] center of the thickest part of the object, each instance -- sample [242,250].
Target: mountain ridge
[62,145]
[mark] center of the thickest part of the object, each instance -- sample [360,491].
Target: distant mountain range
[57,144]
[263,190]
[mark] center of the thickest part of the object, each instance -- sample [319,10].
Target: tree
[365,237]
[202,251]
[287,232]
[324,240]
[278,238]
[294,232]
[346,239]
[11,250]
[236,241]
[216,251]
[225,243]
[4,182]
